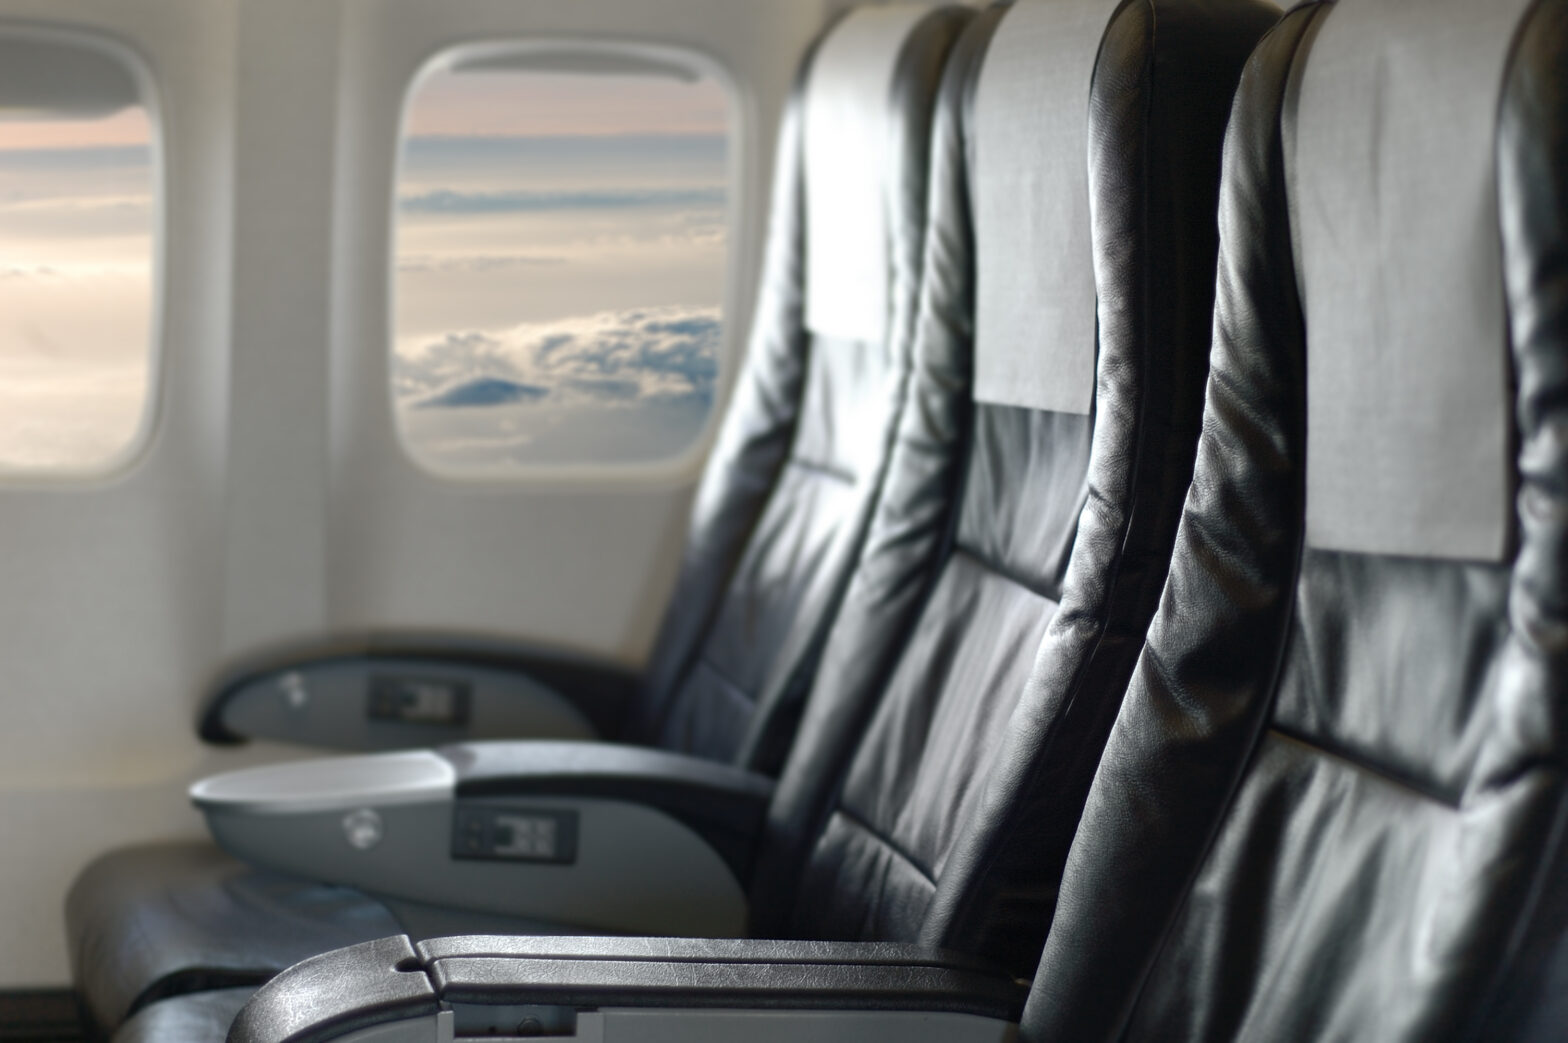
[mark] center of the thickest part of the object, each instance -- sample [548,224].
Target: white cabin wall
[273,501]
[275,565]
[109,589]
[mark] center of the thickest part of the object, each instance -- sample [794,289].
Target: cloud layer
[420,264]
[448,201]
[609,359]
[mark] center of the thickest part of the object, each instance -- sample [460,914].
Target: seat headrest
[1029,189]
[848,142]
[1390,171]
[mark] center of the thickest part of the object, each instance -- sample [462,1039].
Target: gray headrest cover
[1394,209]
[1035,299]
[848,136]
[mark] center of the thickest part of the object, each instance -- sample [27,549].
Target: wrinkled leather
[141,924]
[1053,532]
[906,547]
[1332,806]
[1531,998]
[787,493]
[1162,90]
[374,983]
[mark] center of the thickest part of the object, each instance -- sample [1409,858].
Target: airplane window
[78,209]
[560,259]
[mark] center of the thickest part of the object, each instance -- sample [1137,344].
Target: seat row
[1128,597]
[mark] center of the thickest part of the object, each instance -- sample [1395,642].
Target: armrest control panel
[419,700]
[514,833]
[584,835]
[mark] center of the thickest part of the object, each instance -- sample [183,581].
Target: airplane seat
[1068,466]
[786,492]
[781,508]
[950,736]
[1333,805]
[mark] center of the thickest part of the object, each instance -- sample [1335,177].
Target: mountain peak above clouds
[482,391]
[608,358]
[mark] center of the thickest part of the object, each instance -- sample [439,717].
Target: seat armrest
[456,988]
[724,804]
[579,835]
[403,693]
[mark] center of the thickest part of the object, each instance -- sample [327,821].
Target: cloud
[86,157]
[446,201]
[424,151]
[63,414]
[470,264]
[484,391]
[70,201]
[609,359]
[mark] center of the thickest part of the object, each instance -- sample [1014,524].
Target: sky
[76,228]
[558,276]
[518,104]
[560,268]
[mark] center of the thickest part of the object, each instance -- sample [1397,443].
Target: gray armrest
[391,695]
[392,991]
[585,835]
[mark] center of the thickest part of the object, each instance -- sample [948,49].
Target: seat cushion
[168,919]
[202,1017]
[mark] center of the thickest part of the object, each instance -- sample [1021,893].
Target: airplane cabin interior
[683,521]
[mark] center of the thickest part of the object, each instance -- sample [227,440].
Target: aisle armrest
[394,991]
[581,835]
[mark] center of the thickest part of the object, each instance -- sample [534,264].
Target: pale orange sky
[76,249]
[76,244]
[508,104]
[126,127]
[482,104]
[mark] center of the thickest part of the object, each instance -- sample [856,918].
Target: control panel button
[363,829]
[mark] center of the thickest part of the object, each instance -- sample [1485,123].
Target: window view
[77,218]
[560,262]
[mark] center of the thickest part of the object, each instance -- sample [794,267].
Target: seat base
[202,1017]
[167,919]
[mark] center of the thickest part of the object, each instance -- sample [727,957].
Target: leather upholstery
[142,924]
[1052,531]
[787,492]
[1333,804]
[484,979]
[1162,90]
[1531,1001]
[203,1016]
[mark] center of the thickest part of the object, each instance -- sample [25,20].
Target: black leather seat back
[1334,799]
[1046,489]
[788,488]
